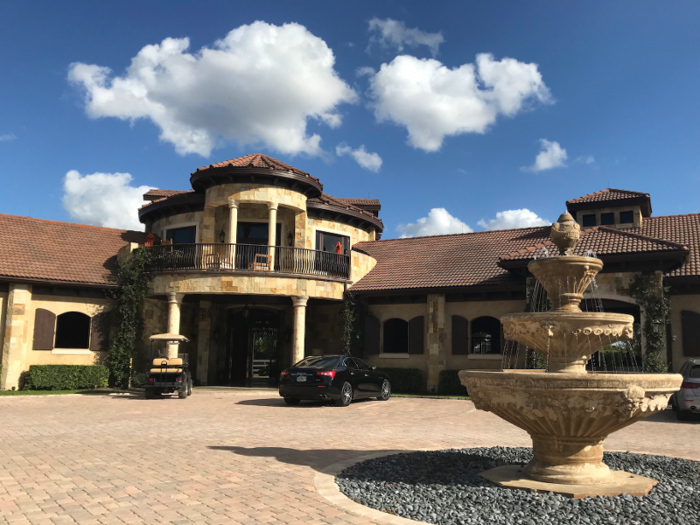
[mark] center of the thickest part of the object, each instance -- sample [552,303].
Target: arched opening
[486,335]
[73,330]
[395,336]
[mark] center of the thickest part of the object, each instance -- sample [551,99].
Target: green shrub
[406,380]
[449,384]
[66,377]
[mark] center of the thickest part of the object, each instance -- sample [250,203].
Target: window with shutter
[44,329]
[395,339]
[690,327]
[371,335]
[73,330]
[99,332]
[460,335]
[416,335]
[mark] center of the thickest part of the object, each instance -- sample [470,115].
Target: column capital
[175,297]
[299,300]
[232,203]
[272,206]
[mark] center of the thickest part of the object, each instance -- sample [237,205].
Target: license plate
[301,379]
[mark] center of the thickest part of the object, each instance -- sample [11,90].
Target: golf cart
[168,375]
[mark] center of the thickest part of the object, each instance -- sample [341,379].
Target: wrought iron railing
[247,257]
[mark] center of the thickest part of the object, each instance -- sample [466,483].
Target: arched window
[486,336]
[690,327]
[72,330]
[395,336]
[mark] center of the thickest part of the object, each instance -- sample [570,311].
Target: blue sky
[614,85]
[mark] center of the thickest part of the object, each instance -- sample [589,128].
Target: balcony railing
[248,258]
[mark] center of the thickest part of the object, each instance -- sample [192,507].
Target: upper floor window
[333,243]
[187,235]
[626,217]
[607,218]
[589,220]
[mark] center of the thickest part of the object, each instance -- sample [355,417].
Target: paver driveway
[230,457]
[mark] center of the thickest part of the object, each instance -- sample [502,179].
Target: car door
[357,378]
[371,380]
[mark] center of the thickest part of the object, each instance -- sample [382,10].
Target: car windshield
[319,362]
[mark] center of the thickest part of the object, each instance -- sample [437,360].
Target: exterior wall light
[222,236]
[290,239]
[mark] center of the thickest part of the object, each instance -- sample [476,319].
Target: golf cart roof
[174,338]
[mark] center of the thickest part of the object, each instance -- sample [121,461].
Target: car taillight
[151,379]
[179,380]
[327,373]
[688,384]
[284,373]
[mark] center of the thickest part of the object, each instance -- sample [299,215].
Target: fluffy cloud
[552,155]
[364,71]
[438,222]
[7,137]
[509,219]
[258,85]
[393,33]
[433,101]
[103,199]
[369,161]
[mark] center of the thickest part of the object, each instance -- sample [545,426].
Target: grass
[52,392]
[430,396]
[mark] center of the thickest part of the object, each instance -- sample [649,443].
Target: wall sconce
[656,326]
[222,236]
[290,239]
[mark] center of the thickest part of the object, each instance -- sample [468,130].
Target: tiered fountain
[567,411]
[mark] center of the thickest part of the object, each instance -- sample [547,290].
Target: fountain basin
[566,339]
[569,416]
[565,278]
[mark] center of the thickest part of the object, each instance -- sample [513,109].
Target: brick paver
[231,457]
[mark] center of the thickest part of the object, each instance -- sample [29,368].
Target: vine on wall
[352,313]
[652,298]
[132,289]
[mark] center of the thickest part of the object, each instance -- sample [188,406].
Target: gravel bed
[444,487]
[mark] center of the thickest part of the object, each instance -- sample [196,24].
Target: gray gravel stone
[444,487]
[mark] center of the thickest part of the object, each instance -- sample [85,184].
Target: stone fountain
[568,411]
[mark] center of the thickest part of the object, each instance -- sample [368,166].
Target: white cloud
[364,71]
[395,34]
[260,84]
[103,199]
[433,101]
[438,222]
[7,137]
[369,161]
[585,159]
[552,155]
[506,220]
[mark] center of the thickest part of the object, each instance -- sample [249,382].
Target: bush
[449,384]
[66,377]
[406,380]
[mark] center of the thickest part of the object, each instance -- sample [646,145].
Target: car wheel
[684,415]
[386,391]
[291,400]
[345,395]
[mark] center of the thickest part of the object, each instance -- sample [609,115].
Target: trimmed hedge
[449,384]
[66,377]
[406,380]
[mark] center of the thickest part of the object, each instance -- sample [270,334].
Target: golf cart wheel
[189,388]
[149,394]
[182,394]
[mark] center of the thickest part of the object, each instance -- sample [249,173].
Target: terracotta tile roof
[257,160]
[682,229]
[324,198]
[361,202]
[608,194]
[44,251]
[155,194]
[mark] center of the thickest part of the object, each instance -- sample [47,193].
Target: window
[626,217]
[364,366]
[607,218]
[187,235]
[72,330]
[396,336]
[319,362]
[690,327]
[333,243]
[257,233]
[486,336]
[589,220]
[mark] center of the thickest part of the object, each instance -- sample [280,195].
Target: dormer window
[606,219]
[626,217]
[589,220]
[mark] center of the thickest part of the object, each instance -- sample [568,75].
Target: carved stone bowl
[565,278]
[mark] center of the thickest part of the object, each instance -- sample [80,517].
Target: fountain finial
[565,233]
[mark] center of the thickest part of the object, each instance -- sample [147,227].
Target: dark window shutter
[371,335]
[690,326]
[415,335]
[460,335]
[44,327]
[99,332]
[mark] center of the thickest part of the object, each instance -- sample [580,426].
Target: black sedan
[333,377]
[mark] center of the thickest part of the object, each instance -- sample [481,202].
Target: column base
[568,461]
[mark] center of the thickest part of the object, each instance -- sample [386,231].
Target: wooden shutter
[415,335]
[99,332]
[690,328]
[460,335]
[44,329]
[371,335]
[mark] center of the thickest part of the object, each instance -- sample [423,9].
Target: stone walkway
[231,457]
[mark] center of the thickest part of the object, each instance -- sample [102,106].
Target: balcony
[248,258]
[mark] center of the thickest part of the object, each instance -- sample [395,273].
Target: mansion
[252,265]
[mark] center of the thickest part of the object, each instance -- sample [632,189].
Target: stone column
[272,232]
[436,339]
[174,303]
[232,222]
[14,345]
[203,337]
[299,328]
